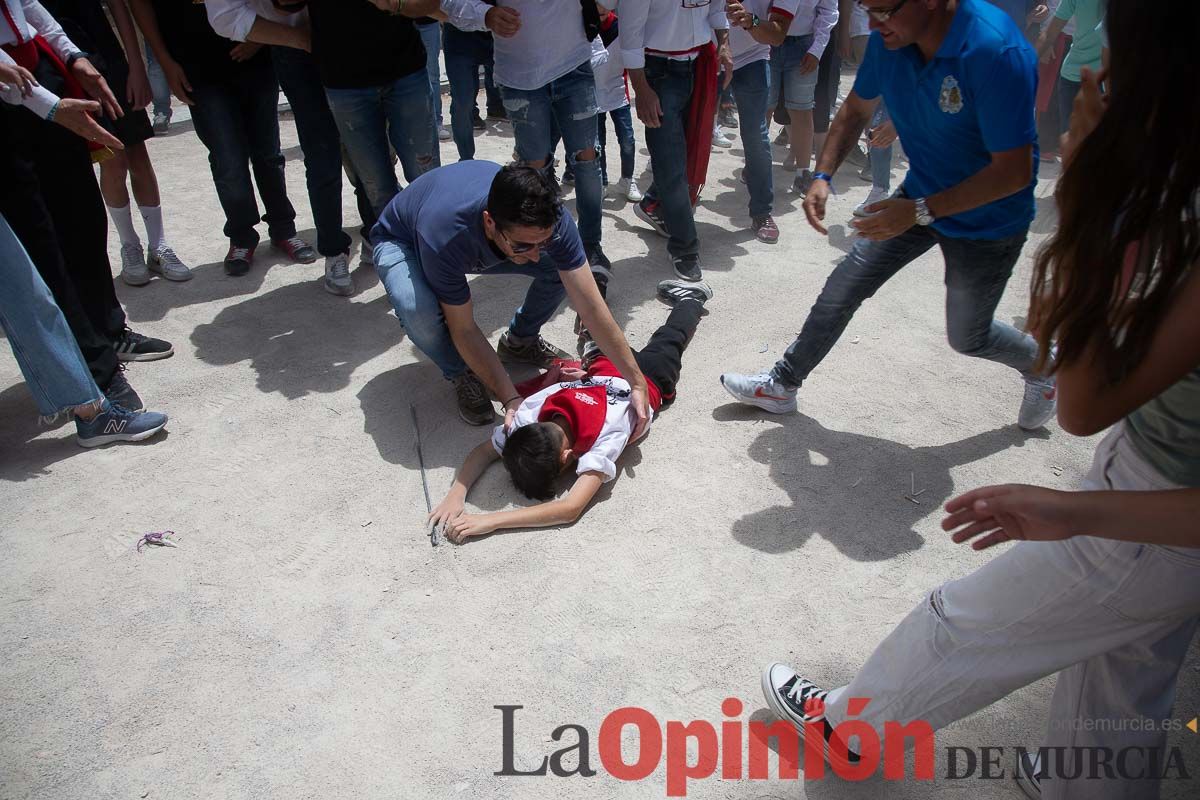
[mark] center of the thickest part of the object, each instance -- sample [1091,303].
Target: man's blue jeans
[571,101]
[751,85]
[672,81]
[622,119]
[977,271]
[160,90]
[319,139]
[420,312]
[238,121]
[466,52]
[45,349]
[431,37]
[379,119]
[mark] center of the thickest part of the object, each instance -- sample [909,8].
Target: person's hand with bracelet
[510,411]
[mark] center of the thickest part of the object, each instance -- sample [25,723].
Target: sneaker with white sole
[650,212]
[444,134]
[133,346]
[1039,404]
[874,196]
[162,121]
[534,350]
[117,424]
[673,292]
[632,193]
[801,702]
[721,139]
[162,260]
[688,268]
[761,391]
[337,275]
[134,270]
[1028,775]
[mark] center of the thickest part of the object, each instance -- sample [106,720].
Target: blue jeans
[880,157]
[672,81]
[431,37]
[318,133]
[465,51]
[379,119]
[41,341]
[799,88]
[977,271]
[622,119]
[751,85]
[159,88]
[420,312]
[571,102]
[238,122]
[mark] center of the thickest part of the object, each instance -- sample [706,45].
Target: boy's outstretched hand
[450,507]
[464,526]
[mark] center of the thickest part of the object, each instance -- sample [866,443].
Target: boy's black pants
[662,358]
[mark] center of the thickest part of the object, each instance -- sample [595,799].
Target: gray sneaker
[337,275]
[1039,404]
[133,265]
[536,351]
[162,122]
[164,261]
[762,391]
[474,405]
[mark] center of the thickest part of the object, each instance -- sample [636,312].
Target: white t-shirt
[745,49]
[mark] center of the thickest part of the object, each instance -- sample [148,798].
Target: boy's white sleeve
[604,453]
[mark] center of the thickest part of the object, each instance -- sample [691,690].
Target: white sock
[152,216]
[123,219]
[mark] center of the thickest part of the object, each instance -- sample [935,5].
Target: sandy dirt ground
[305,641]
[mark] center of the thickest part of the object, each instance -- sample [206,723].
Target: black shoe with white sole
[1029,775]
[650,212]
[601,266]
[688,268]
[801,702]
[673,291]
[133,346]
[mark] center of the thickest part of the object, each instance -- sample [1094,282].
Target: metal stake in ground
[433,533]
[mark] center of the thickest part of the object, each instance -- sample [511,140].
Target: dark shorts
[134,127]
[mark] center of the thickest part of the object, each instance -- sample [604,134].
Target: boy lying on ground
[581,417]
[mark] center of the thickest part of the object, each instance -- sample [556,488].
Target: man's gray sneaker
[120,393]
[1039,404]
[534,350]
[164,261]
[474,405]
[337,275]
[133,265]
[762,391]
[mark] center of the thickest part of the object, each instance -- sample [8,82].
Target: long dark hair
[1129,196]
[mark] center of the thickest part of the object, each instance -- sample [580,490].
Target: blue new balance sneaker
[116,424]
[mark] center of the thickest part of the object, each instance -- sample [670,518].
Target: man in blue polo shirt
[474,217]
[959,81]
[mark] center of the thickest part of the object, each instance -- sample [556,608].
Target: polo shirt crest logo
[951,99]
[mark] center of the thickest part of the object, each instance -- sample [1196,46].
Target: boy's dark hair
[531,457]
[524,196]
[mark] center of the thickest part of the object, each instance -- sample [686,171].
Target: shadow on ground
[853,489]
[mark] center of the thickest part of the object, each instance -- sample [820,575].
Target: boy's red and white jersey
[598,409]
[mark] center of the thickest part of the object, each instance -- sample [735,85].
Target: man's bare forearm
[265,31]
[999,179]
[1163,517]
[483,361]
[844,134]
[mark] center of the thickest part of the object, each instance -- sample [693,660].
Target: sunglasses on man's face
[881,14]
[523,247]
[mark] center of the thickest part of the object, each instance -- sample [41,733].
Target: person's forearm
[475,349]
[995,181]
[127,34]
[1170,518]
[596,317]
[770,31]
[722,37]
[147,22]
[265,31]
[1050,35]
[475,464]
[844,132]
[543,515]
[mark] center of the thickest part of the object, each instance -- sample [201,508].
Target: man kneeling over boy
[582,417]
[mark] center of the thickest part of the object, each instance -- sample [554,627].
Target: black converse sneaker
[1028,775]
[133,346]
[800,702]
[535,350]
[673,291]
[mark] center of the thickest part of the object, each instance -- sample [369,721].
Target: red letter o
[650,743]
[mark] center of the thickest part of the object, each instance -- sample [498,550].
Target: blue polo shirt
[440,216]
[974,98]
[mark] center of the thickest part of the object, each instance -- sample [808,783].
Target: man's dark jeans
[672,81]
[977,271]
[465,52]
[238,122]
[318,133]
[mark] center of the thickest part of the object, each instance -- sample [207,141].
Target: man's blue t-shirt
[976,97]
[440,216]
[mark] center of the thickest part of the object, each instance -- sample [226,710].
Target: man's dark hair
[524,196]
[531,457]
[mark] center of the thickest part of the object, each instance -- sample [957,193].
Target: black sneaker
[477,121]
[727,118]
[120,393]
[238,260]
[474,405]
[536,351]
[498,112]
[133,346]
[672,292]
[1028,775]
[688,268]
[801,703]
[601,266]
[650,212]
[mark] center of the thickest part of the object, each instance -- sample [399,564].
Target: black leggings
[662,358]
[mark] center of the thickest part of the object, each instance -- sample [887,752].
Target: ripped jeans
[571,100]
[1114,619]
[375,121]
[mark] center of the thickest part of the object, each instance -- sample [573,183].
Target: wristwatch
[924,215]
[755,21]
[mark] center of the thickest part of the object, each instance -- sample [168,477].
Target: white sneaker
[626,188]
[164,261]
[366,255]
[133,265]
[876,194]
[443,133]
[1039,404]
[337,275]
[721,139]
[761,390]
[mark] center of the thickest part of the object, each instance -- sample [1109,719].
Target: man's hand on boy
[464,526]
[640,400]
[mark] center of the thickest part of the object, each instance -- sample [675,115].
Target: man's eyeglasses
[523,247]
[881,14]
